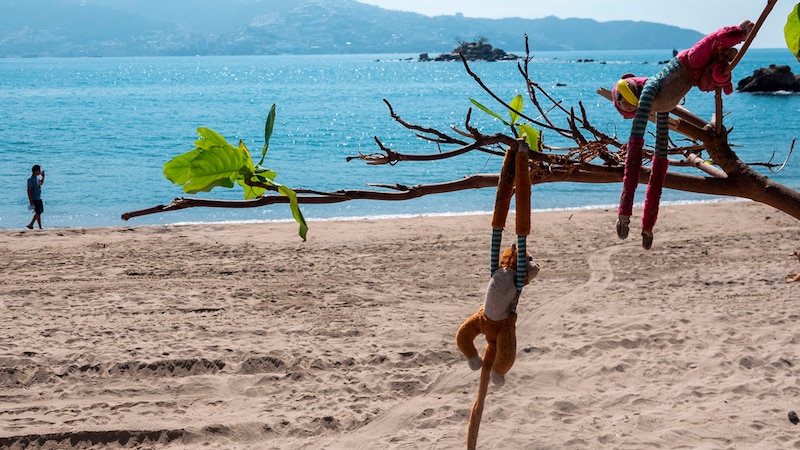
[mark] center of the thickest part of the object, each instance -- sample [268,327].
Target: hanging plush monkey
[705,65]
[496,320]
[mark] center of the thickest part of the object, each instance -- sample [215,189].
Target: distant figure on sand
[35,195]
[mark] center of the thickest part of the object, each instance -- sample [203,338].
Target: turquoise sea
[102,128]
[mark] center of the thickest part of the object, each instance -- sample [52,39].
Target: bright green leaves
[488,111]
[295,207]
[216,163]
[177,170]
[267,133]
[261,176]
[532,137]
[792,31]
[516,107]
[213,162]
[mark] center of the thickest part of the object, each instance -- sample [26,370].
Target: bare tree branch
[595,158]
[316,198]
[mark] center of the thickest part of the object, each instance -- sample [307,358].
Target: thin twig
[752,35]
[442,137]
[495,97]
[718,115]
[786,161]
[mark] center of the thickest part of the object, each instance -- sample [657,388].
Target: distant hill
[32,28]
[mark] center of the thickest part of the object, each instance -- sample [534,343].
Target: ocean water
[102,128]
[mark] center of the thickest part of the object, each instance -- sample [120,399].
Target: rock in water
[770,79]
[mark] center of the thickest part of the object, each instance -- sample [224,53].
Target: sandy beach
[245,337]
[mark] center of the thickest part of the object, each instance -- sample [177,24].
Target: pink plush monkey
[705,65]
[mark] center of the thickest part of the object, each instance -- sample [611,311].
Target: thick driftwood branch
[593,174]
[729,176]
[736,179]
[400,193]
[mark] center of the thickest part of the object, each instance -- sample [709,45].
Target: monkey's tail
[477,408]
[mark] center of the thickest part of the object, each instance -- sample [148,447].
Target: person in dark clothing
[35,183]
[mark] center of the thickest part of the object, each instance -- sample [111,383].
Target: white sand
[243,336]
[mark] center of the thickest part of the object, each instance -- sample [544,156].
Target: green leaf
[214,162]
[516,105]
[531,138]
[176,170]
[295,207]
[488,111]
[251,169]
[267,133]
[263,176]
[218,166]
[209,138]
[251,192]
[266,174]
[792,31]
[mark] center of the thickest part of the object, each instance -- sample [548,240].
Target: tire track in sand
[601,275]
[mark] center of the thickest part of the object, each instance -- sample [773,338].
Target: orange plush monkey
[498,317]
[495,320]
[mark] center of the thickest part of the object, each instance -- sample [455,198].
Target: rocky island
[473,51]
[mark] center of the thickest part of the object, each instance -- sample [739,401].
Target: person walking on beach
[35,195]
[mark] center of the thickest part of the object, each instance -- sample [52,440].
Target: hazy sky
[704,16]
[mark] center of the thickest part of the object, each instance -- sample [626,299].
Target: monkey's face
[625,95]
[532,269]
[509,259]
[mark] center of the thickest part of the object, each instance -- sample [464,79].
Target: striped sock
[662,134]
[522,261]
[494,258]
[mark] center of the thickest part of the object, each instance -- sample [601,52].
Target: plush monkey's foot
[498,380]
[647,239]
[475,362]
[623,226]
